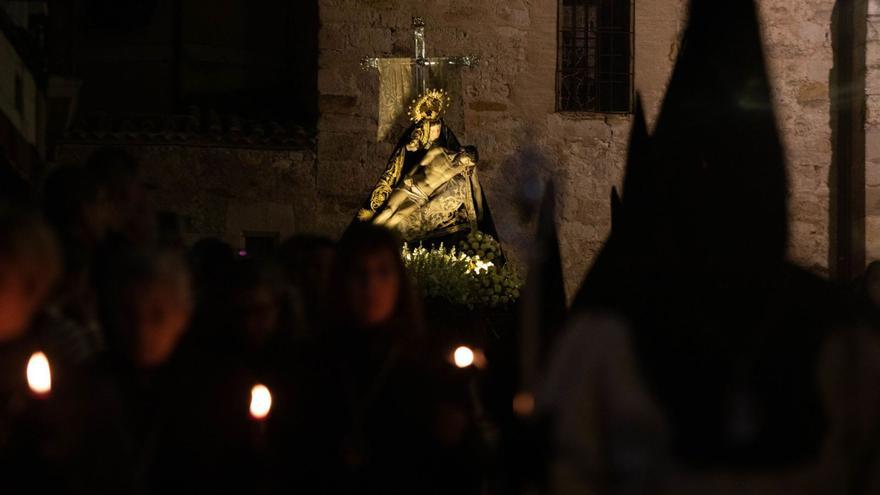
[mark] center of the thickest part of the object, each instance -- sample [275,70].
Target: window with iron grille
[594,56]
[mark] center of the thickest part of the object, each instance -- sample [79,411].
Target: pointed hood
[716,147]
[543,306]
[638,180]
[631,219]
[711,180]
[696,265]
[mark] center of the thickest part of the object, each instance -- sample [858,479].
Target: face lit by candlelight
[18,302]
[39,375]
[29,266]
[373,288]
[163,309]
[261,402]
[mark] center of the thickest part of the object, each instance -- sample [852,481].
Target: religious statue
[430,187]
[434,171]
[429,190]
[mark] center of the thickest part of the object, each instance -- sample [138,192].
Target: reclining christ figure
[435,170]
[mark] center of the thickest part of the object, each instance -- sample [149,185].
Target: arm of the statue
[478,193]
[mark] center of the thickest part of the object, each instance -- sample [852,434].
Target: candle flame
[261,402]
[39,375]
[463,357]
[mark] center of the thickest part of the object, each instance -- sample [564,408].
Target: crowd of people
[155,349]
[159,357]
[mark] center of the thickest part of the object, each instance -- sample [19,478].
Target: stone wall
[225,192]
[798,41]
[509,111]
[872,134]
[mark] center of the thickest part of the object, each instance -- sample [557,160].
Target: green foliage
[481,245]
[461,277]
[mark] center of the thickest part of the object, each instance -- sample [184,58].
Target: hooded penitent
[727,332]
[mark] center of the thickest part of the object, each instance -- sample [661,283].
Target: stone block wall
[872,134]
[510,111]
[798,44]
[225,192]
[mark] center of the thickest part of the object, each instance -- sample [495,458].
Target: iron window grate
[594,56]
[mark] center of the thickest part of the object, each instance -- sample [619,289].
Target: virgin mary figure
[434,175]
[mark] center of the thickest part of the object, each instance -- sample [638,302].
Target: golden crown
[429,106]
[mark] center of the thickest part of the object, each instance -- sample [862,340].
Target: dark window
[594,56]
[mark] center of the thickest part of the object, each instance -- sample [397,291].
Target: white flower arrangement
[461,277]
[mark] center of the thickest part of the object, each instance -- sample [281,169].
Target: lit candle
[39,375]
[261,402]
[463,356]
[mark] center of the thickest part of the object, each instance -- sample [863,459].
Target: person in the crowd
[34,436]
[255,300]
[805,423]
[145,308]
[253,335]
[78,210]
[163,422]
[211,261]
[700,359]
[247,320]
[131,215]
[30,263]
[170,231]
[392,419]
[77,207]
[146,303]
[243,312]
[307,262]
